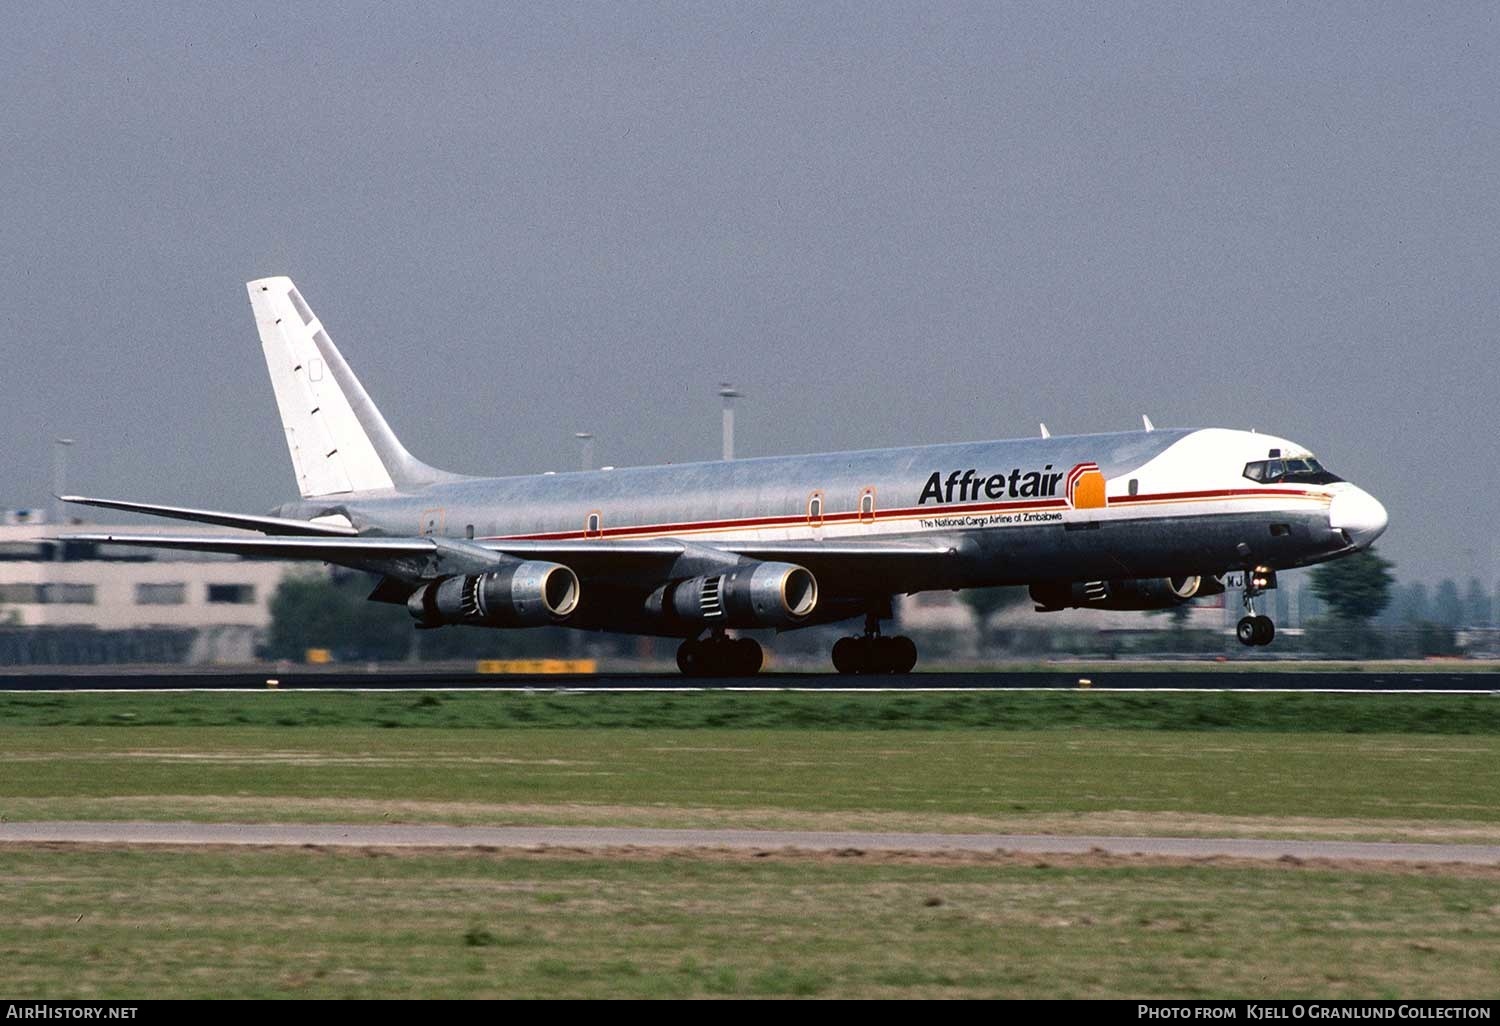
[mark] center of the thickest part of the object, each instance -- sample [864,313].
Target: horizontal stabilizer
[265,525]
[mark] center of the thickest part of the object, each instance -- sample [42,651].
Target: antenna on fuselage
[1146,423]
[1045,432]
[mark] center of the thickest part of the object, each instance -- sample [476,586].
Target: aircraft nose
[1358,514]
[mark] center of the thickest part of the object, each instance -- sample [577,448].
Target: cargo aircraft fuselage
[1135,520]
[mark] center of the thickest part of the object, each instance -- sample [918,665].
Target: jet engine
[520,594]
[750,595]
[1138,593]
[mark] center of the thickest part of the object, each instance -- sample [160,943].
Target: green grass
[129,924]
[1156,763]
[1079,780]
[87,922]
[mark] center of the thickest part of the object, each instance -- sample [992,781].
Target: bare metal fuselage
[991,533]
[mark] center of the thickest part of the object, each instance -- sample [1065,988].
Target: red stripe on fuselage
[906,513]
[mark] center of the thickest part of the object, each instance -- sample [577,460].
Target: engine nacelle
[751,595]
[1134,593]
[521,594]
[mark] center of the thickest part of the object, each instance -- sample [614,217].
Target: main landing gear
[719,656]
[1253,629]
[874,653]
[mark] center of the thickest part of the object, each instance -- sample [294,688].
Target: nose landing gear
[1253,629]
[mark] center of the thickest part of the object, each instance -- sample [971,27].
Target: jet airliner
[1136,520]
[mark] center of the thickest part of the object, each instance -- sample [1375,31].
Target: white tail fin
[338,440]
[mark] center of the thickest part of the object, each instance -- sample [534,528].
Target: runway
[1122,679]
[614,838]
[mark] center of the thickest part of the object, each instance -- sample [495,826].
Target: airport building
[71,602]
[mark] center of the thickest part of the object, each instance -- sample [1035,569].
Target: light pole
[585,449]
[59,475]
[729,394]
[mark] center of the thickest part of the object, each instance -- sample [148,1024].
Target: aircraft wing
[414,557]
[333,549]
[329,550]
[835,562]
[265,525]
[420,557]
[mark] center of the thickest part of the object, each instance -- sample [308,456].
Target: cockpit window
[1295,469]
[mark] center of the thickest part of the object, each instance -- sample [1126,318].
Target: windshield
[1295,469]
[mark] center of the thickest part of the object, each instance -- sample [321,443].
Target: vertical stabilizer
[337,438]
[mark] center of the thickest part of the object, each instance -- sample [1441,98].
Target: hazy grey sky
[889,224]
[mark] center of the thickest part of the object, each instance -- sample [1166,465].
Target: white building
[47,581]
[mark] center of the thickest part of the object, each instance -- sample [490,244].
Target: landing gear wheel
[745,656]
[1255,630]
[874,654]
[904,654]
[848,656]
[1245,630]
[720,657]
[1267,630]
[692,658]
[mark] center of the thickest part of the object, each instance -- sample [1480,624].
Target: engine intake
[751,595]
[521,594]
[1134,593]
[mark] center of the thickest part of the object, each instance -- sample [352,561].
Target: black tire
[692,658]
[747,656]
[1247,631]
[904,651]
[844,656]
[1267,630]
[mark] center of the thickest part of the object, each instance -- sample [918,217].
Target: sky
[887,224]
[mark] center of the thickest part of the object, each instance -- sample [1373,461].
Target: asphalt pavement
[1124,678]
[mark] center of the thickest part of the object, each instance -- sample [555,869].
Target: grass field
[156,923]
[323,924]
[1348,766]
